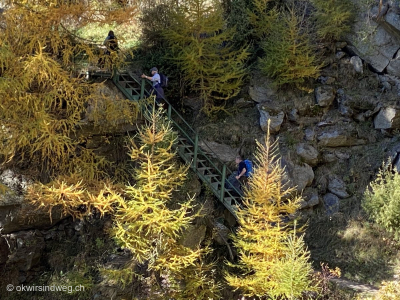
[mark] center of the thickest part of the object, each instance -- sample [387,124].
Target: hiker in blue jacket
[157,90]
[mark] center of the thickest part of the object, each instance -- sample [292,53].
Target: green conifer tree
[289,57]
[202,48]
[333,18]
[261,16]
[273,261]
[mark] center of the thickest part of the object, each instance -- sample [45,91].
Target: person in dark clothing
[242,172]
[241,169]
[237,179]
[111,44]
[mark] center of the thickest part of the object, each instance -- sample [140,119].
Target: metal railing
[191,138]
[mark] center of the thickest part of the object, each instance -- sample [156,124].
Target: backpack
[249,168]
[164,80]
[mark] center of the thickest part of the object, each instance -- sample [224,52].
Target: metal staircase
[205,163]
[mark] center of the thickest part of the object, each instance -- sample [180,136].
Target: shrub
[381,201]
[389,290]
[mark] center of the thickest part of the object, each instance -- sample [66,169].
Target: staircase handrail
[188,125]
[189,137]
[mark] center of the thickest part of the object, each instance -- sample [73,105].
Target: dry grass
[363,251]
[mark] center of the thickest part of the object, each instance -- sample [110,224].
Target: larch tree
[203,50]
[149,223]
[273,261]
[289,56]
[42,98]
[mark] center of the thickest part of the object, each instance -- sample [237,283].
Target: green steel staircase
[208,167]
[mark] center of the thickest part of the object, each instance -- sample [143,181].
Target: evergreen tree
[273,261]
[333,18]
[202,48]
[261,16]
[289,57]
[149,223]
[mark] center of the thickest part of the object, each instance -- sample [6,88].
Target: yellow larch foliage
[149,223]
[273,260]
[144,220]
[42,99]
[74,197]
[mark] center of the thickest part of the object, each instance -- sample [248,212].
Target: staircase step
[229,200]
[211,176]
[125,81]
[200,161]
[131,90]
[215,185]
[203,170]
[185,145]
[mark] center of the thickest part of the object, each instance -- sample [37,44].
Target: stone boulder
[394,157]
[357,64]
[324,95]
[344,107]
[339,138]
[394,66]
[307,153]
[304,104]
[224,152]
[381,47]
[309,134]
[193,235]
[387,118]
[17,214]
[276,120]
[25,249]
[337,186]
[298,176]
[261,89]
[310,195]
